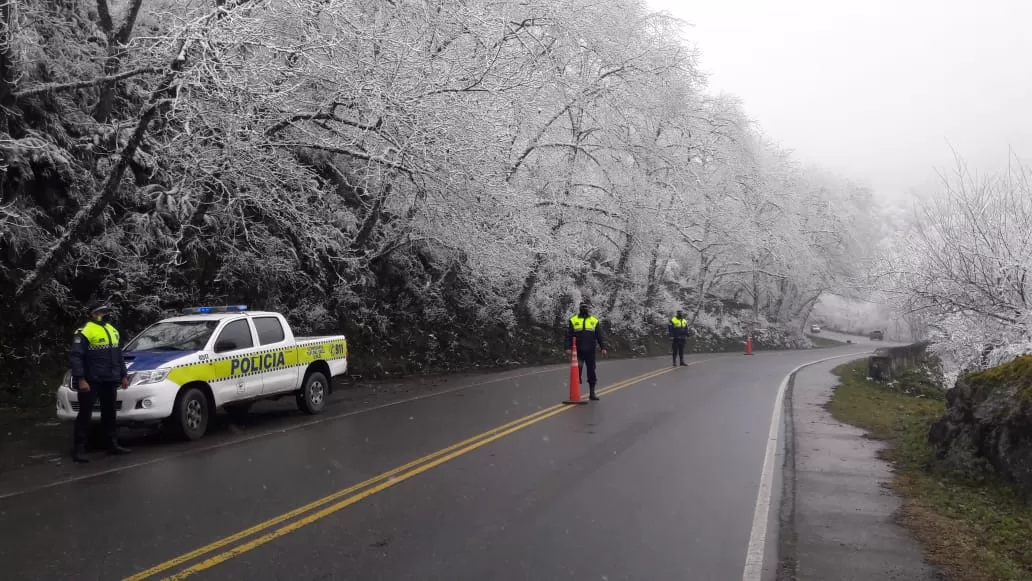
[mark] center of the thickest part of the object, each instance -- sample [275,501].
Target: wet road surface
[658,480]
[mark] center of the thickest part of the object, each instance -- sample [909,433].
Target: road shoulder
[840,524]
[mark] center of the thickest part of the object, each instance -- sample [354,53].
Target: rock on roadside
[988,425]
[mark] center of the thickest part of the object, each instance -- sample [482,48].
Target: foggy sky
[878,90]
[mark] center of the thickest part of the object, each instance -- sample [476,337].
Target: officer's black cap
[100,308]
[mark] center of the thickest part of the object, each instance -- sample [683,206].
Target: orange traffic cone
[575,396]
[748,345]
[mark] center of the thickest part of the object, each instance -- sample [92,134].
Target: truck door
[235,345]
[279,371]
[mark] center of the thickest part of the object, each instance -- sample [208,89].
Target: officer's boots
[592,395]
[79,454]
[115,448]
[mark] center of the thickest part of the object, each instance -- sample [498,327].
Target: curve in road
[659,480]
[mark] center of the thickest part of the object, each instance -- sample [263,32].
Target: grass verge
[819,341]
[971,532]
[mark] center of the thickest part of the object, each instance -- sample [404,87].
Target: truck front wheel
[312,397]
[191,413]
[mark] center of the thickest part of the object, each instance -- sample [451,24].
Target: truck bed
[318,339]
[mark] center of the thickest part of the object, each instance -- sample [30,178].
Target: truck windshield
[174,336]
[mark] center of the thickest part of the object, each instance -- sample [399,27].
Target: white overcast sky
[876,90]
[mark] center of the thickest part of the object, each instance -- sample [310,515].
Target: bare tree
[964,264]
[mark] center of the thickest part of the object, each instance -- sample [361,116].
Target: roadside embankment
[973,522]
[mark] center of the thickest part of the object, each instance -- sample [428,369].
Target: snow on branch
[71,86]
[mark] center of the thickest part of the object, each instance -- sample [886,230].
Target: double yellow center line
[341,499]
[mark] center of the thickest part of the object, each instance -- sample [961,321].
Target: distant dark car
[877,336]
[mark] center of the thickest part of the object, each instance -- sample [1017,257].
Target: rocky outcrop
[988,424]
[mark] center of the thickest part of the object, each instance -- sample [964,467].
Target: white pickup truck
[182,369]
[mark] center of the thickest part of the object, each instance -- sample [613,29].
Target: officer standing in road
[98,370]
[589,337]
[678,335]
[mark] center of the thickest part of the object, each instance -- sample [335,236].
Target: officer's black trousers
[678,349]
[106,393]
[588,360]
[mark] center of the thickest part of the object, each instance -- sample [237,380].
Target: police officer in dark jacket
[589,338]
[678,335]
[98,370]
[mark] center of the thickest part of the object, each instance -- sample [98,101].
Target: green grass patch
[919,383]
[971,531]
[819,341]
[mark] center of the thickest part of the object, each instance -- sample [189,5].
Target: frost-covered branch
[71,86]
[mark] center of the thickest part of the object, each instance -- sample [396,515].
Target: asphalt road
[488,479]
[855,339]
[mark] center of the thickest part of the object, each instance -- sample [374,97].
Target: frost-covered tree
[963,266]
[453,174]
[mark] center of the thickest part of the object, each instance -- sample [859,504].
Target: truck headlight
[67,380]
[153,376]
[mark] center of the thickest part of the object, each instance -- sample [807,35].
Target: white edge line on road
[246,439]
[754,555]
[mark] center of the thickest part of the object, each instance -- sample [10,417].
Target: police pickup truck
[182,369]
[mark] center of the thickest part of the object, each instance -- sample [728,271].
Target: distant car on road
[877,336]
[815,328]
[182,369]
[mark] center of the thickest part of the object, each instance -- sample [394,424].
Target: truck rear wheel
[191,413]
[312,397]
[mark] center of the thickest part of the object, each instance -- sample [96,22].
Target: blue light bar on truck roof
[206,310]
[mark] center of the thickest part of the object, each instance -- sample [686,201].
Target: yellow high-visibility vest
[99,336]
[580,323]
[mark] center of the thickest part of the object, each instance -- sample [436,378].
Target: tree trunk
[804,313]
[705,280]
[191,230]
[372,218]
[7,76]
[652,286]
[622,267]
[756,296]
[523,303]
[117,39]
[778,303]
[807,306]
[106,102]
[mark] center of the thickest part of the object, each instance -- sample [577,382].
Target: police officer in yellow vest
[678,335]
[589,338]
[97,370]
